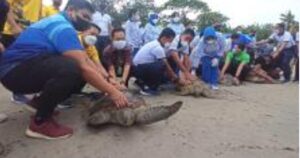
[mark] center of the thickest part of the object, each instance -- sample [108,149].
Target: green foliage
[186,5]
[288,18]
[209,18]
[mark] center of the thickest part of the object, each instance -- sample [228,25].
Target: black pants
[151,75]
[55,77]
[284,62]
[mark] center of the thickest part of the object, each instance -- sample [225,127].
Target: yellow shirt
[24,10]
[90,50]
[49,10]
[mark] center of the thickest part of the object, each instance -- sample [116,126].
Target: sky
[246,12]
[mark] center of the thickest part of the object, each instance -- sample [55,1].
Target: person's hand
[190,77]
[236,81]
[119,99]
[222,76]
[123,86]
[2,48]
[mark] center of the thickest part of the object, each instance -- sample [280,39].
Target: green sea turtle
[103,111]
[196,89]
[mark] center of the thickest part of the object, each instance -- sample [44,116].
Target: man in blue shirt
[48,58]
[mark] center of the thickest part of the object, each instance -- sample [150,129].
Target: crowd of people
[54,54]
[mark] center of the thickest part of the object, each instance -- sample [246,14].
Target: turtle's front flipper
[155,114]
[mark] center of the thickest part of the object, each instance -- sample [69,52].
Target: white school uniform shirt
[133,34]
[103,21]
[149,53]
[174,47]
[151,33]
[286,37]
[178,28]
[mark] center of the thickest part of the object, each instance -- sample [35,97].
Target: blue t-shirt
[53,35]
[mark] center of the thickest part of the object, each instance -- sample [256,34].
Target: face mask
[167,45]
[176,19]
[139,23]
[119,45]
[80,24]
[155,21]
[90,40]
[210,41]
[184,44]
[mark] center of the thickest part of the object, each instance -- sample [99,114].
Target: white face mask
[155,21]
[167,45]
[210,41]
[176,19]
[119,44]
[139,23]
[90,40]
[184,44]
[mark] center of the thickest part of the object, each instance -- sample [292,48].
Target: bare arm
[224,69]
[126,72]
[95,79]
[279,50]
[176,58]
[239,70]
[171,74]
[11,20]
[101,69]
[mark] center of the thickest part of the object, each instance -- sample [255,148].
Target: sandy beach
[250,121]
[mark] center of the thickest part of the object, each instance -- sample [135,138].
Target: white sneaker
[213,87]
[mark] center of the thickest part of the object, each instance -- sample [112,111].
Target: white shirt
[286,37]
[151,33]
[133,34]
[175,47]
[149,53]
[103,21]
[177,28]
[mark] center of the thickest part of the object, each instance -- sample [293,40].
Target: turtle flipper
[155,114]
[99,118]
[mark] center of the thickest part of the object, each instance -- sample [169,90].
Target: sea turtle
[102,111]
[228,80]
[196,89]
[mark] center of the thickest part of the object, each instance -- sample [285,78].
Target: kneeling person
[150,63]
[117,58]
[236,64]
[50,60]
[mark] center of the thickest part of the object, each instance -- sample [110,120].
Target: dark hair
[241,46]
[281,25]
[174,14]
[235,36]
[117,30]
[168,33]
[189,32]
[81,4]
[132,12]
[96,26]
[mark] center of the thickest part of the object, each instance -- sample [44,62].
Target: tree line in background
[119,9]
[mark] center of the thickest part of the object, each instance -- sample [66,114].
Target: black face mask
[80,24]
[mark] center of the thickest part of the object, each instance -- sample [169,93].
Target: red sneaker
[49,130]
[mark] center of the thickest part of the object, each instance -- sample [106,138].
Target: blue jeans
[151,74]
[210,74]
